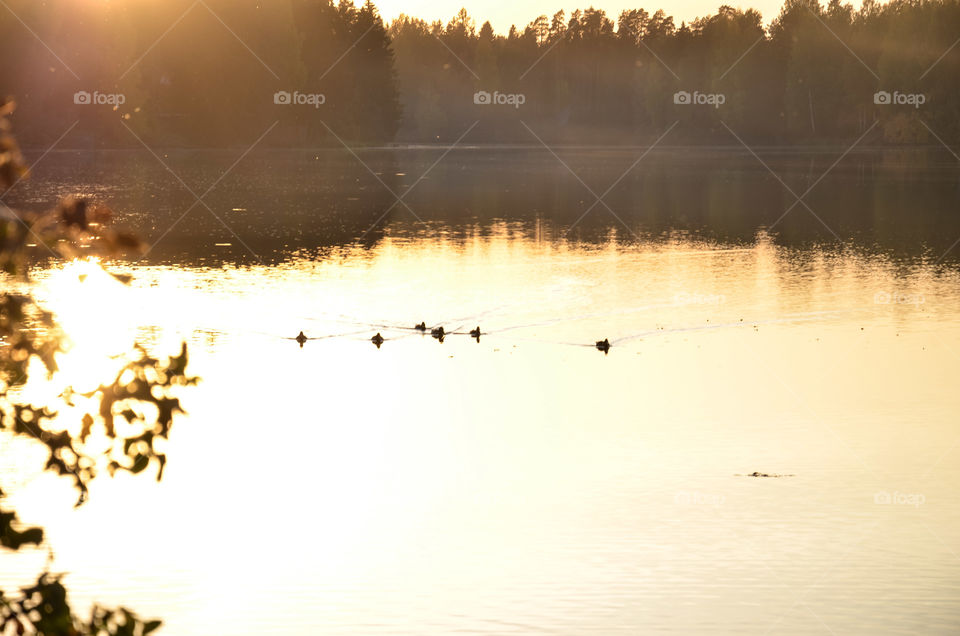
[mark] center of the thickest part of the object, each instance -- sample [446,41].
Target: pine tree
[377,108]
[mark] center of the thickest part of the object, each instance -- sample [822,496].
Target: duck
[421,327]
[377,340]
[437,332]
[301,339]
[475,334]
[603,345]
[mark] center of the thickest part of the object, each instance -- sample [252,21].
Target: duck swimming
[475,334]
[438,333]
[603,345]
[301,339]
[377,340]
[421,327]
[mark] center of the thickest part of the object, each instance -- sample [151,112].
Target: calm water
[527,483]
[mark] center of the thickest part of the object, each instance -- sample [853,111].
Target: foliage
[810,75]
[205,74]
[133,411]
[43,607]
[346,55]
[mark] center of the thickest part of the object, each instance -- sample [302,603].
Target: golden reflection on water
[91,307]
[529,482]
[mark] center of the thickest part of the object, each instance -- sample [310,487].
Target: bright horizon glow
[502,14]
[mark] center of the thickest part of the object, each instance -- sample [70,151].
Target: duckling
[438,333]
[603,345]
[475,334]
[301,339]
[421,327]
[377,340]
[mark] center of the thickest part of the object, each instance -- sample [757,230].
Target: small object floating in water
[475,334]
[759,474]
[301,339]
[438,333]
[421,327]
[603,345]
[377,340]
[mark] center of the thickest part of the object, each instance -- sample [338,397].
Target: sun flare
[93,309]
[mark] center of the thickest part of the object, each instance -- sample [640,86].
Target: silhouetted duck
[475,334]
[421,327]
[438,333]
[301,339]
[603,345]
[377,340]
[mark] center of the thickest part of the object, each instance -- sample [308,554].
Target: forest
[312,73]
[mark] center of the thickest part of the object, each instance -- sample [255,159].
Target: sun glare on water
[94,311]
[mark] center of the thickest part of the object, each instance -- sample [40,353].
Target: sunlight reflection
[432,469]
[93,308]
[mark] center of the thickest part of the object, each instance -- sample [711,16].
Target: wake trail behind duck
[805,317]
[555,321]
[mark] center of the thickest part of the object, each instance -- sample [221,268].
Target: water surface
[525,483]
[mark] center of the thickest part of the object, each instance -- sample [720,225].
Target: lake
[526,482]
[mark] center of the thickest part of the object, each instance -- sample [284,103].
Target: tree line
[314,73]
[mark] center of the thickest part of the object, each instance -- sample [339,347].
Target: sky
[503,13]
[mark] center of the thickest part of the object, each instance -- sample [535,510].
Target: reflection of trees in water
[719,196]
[273,203]
[279,203]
